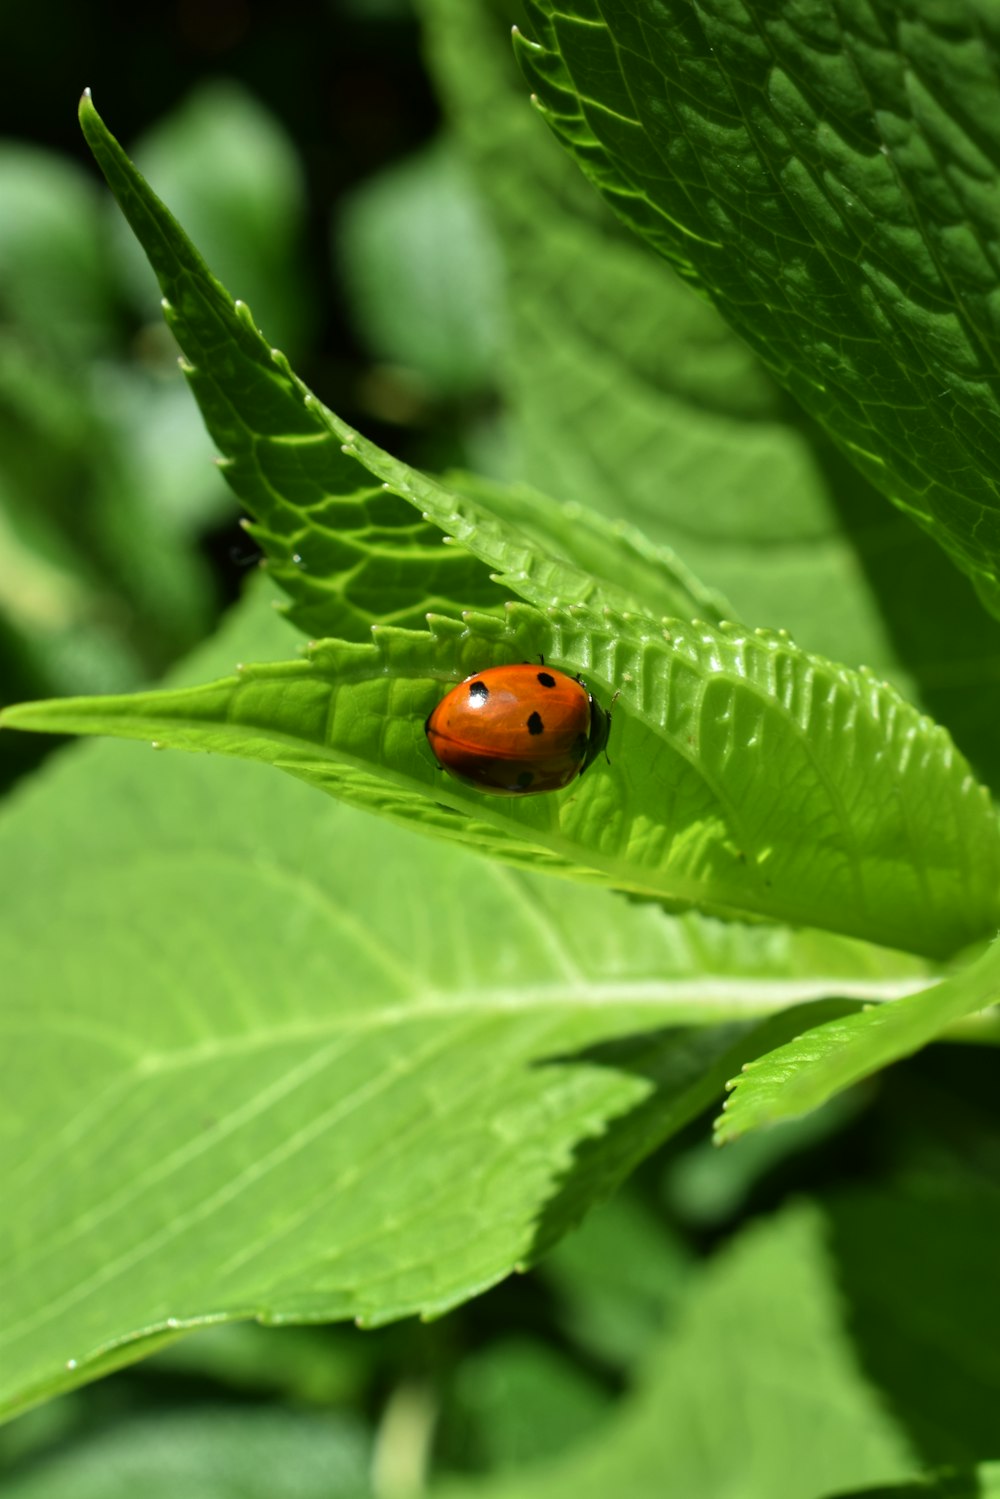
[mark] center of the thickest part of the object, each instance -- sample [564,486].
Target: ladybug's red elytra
[517,730]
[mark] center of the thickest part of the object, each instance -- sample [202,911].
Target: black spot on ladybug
[479,694]
[546,679]
[535,725]
[525,779]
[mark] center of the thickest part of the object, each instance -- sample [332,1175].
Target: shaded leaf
[830,182]
[911,1266]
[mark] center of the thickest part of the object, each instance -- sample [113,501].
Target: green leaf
[619,1280]
[421,272]
[213,1452]
[756,1391]
[303,1365]
[234,177]
[628,393]
[246,1076]
[830,184]
[53,277]
[349,551]
[516,1401]
[746,778]
[630,572]
[805,1073]
[808,752]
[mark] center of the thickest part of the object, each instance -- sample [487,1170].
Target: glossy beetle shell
[517,730]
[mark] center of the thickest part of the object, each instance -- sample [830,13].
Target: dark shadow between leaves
[942,635]
[953,1484]
[687,1069]
[918,1272]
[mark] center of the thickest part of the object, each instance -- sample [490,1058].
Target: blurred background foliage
[304,148]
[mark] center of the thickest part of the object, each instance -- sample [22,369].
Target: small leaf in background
[517,1402]
[106,480]
[54,277]
[423,275]
[232,173]
[706,1188]
[914,1268]
[303,1365]
[619,1280]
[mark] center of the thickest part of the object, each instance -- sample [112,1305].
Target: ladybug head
[600,728]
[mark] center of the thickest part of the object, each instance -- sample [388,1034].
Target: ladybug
[517,730]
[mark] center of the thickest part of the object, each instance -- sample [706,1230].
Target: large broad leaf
[746,777]
[269,1057]
[829,179]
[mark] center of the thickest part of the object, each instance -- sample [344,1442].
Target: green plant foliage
[627,392]
[716,725]
[248,1076]
[106,480]
[521,1401]
[54,279]
[806,1072]
[269,1059]
[630,572]
[829,182]
[331,508]
[757,1391]
[212,1453]
[234,177]
[348,551]
[712,729]
[621,1278]
[423,273]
